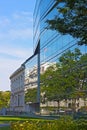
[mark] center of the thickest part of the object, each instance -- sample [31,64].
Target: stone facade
[17,90]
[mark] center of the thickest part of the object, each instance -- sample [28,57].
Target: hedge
[65,123]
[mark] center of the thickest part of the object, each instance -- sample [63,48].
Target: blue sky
[16,36]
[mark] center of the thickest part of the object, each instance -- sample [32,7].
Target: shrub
[82,124]
[65,123]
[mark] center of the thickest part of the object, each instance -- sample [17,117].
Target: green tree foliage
[69,61]
[31,95]
[67,79]
[4,99]
[71,19]
[74,78]
[51,81]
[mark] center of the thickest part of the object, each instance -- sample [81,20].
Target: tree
[51,84]
[4,99]
[83,80]
[73,19]
[73,68]
[67,79]
[31,95]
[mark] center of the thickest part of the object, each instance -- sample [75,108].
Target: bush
[65,123]
[82,124]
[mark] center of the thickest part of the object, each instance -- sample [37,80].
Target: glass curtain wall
[63,64]
[31,80]
[36,25]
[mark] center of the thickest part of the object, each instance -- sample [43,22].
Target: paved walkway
[2,125]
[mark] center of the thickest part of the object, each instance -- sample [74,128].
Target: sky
[16,37]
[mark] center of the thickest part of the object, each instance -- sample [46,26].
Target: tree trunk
[66,103]
[58,103]
[74,105]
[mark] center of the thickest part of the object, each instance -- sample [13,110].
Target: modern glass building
[57,49]
[31,83]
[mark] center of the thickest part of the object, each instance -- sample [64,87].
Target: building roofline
[17,71]
[35,52]
[27,60]
[22,67]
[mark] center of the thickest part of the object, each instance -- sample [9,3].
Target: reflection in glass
[31,78]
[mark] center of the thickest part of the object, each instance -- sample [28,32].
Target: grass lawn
[6,119]
[9,119]
[5,128]
[12,118]
[64,123]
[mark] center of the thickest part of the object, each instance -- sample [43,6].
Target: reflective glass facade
[31,78]
[36,25]
[55,47]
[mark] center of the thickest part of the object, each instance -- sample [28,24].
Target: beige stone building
[20,82]
[17,90]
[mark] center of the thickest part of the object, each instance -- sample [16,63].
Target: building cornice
[17,71]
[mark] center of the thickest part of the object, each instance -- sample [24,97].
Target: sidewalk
[2,125]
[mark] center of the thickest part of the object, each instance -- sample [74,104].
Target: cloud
[24,15]
[13,34]
[16,36]
[18,26]
[16,52]
[4,21]
[9,65]
[27,13]
[20,33]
